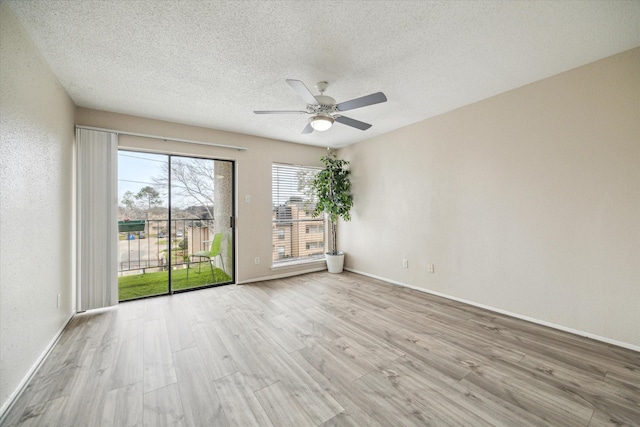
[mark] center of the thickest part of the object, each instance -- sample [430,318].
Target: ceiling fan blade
[374,98]
[280,112]
[308,128]
[302,90]
[353,123]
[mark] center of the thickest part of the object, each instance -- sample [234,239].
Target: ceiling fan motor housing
[326,105]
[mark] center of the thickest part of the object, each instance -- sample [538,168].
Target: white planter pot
[335,263]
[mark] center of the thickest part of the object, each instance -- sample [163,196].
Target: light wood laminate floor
[324,349]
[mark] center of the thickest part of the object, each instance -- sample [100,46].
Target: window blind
[296,235]
[97,234]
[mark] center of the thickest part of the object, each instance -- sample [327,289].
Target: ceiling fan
[323,109]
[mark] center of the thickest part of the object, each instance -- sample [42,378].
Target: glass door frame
[231,222]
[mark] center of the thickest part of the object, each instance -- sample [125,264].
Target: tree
[333,189]
[127,201]
[149,196]
[305,186]
[129,206]
[191,179]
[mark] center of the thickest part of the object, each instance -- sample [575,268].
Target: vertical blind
[297,236]
[97,233]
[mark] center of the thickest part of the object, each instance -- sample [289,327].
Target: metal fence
[156,245]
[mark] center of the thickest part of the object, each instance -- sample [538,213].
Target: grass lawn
[142,285]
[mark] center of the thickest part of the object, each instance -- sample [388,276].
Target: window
[315,229]
[315,245]
[297,236]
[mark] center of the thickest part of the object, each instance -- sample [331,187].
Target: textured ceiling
[212,63]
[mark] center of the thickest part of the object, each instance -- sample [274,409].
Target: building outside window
[297,236]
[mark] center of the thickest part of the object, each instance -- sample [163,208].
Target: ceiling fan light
[321,123]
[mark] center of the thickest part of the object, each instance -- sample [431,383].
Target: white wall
[36,205]
[527,202]
[253,171]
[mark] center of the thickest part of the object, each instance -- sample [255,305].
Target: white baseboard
[507,313]
[283,275]
[4,410]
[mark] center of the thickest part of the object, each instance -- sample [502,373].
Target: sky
[136,170]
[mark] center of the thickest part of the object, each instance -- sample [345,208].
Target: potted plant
[333,190]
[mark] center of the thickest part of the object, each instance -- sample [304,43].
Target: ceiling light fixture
[321,122]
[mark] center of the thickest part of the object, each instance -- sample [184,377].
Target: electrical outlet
[247,199]
[58,301]
[431,268]
[405,263]
[256,260]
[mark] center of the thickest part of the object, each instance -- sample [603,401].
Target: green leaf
[333,190]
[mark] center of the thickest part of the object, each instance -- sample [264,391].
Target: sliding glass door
[201,220]
[175,223]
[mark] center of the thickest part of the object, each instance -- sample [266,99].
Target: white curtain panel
[97,190]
